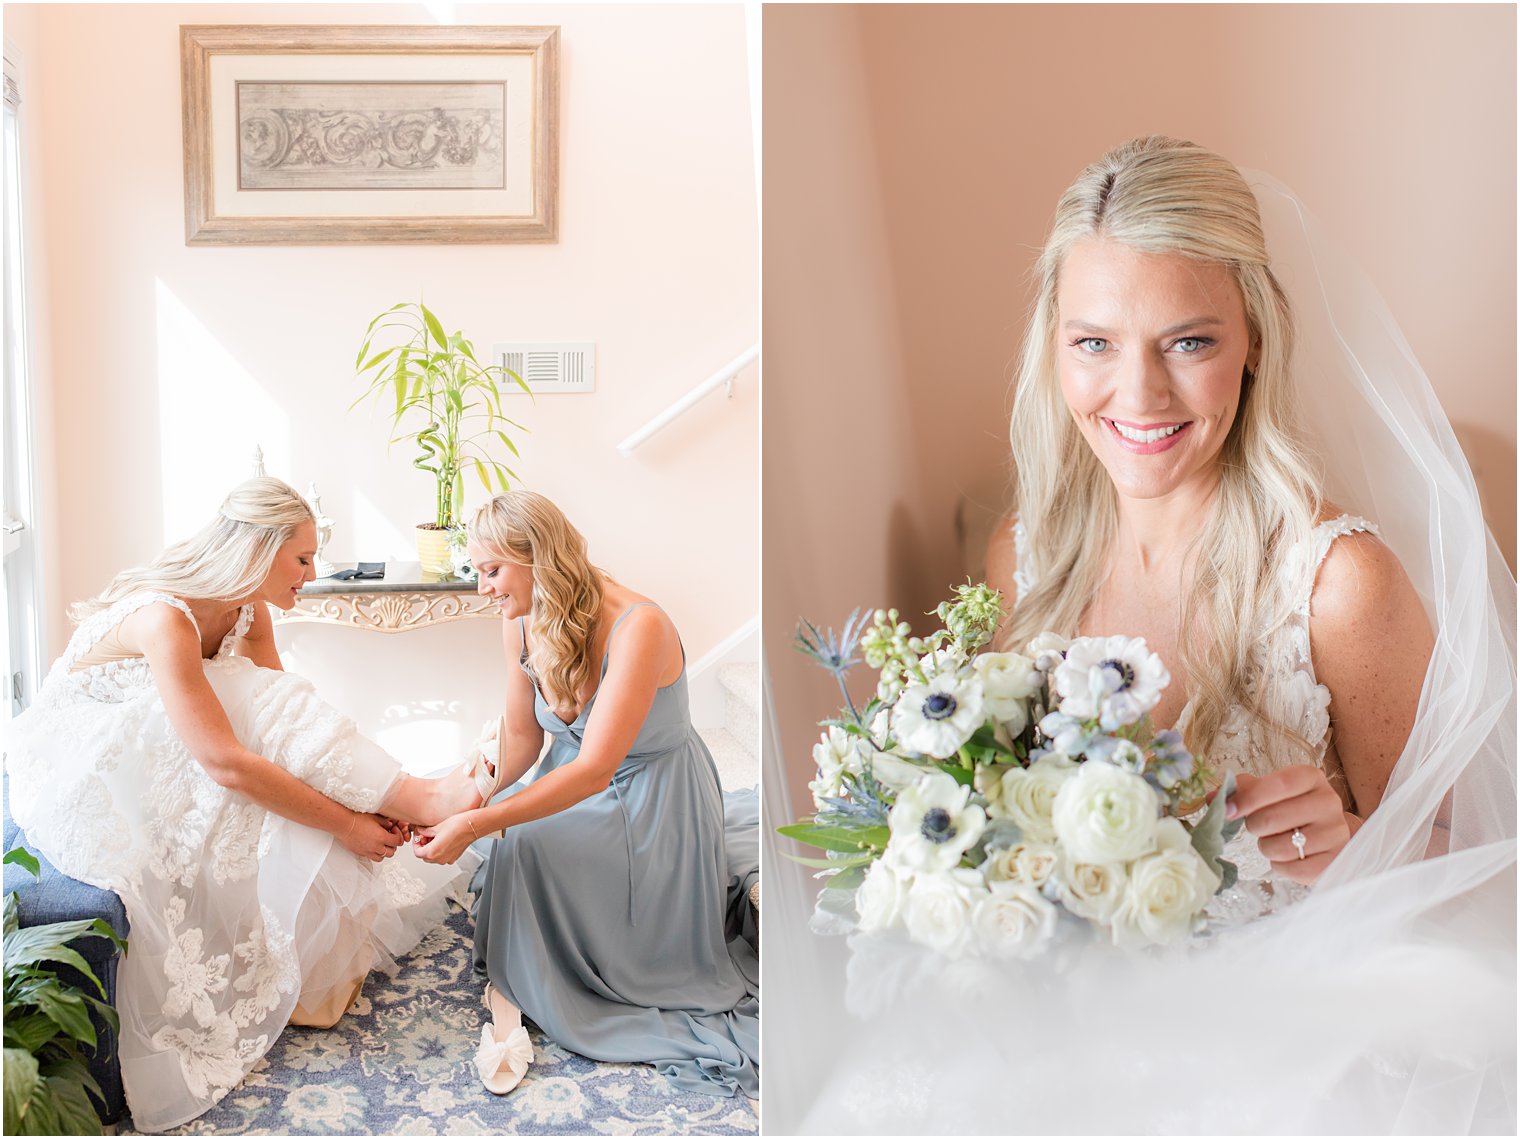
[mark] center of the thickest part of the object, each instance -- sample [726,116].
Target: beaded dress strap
[1322,538]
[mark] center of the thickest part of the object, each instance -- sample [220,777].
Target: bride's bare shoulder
[1002,560]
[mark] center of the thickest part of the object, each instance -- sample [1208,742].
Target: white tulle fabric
[236,913]
[1382,1002]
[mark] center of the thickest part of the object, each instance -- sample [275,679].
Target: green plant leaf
[957,771]
[21,856]
[30,1030]
[76,1114]
[860,859]
[507,443]
[377,359]
[846,879]
[846,840]
[50,943]
[65,1007]
[12,915]
[386,313]
[22,1083]
[434,327]
[501,477]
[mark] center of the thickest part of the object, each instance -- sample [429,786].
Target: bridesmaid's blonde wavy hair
[226,560]
[1164,196]
[528,529]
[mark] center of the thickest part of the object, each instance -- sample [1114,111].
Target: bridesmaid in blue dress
[613,911]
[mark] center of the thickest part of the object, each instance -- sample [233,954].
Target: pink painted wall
[1396,124]
[842,512]
[169,363]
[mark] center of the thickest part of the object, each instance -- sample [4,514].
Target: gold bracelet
[469,822]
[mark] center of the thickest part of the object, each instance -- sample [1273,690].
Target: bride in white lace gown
[247,826]
[1166,490]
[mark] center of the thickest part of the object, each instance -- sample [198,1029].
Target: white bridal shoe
[504,1053]
[485,768]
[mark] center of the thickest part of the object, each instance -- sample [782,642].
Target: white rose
[1166,892]
[880,898]
[1091,890]
[1103,814]
[1008,681]
[1029,862]
[1011,919]
[937,912]
[1027,796]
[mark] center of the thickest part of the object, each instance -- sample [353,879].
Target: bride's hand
[371,837]
[1294,798]
[445,842]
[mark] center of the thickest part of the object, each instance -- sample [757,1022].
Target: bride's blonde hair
[528,529]
[1164,196]
[226,560]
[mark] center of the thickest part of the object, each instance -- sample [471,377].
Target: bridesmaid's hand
[371,837]
[444,843]
[1295,798]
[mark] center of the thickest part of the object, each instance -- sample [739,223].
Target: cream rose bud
[1091,890]
[1167,890]
[880,898]
[1011,919]
[1008,681]
[1027,796]
[893,772]
[1029,862]
[937,910]
[1103,814]
[834,751]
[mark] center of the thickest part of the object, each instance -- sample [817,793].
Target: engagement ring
[1299,842]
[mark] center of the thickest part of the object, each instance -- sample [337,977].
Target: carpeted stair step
[741,704]
[736,765]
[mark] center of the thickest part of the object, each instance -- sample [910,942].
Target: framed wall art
[333,135]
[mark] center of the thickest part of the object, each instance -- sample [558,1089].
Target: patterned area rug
[400,1064]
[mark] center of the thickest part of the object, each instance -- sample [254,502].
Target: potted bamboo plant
[446,402]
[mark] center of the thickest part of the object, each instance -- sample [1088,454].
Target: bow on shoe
[503,1063]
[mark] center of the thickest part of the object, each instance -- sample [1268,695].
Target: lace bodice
[1282,669]
[114,680]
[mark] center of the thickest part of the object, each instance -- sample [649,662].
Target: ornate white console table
[405,598]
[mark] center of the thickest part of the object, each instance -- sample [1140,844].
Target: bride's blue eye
[1093,345]
[1190,344]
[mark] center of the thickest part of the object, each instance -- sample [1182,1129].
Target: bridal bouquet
[980,798]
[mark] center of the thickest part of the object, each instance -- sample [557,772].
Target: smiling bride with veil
[1361,976]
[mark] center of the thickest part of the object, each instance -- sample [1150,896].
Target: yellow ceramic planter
[433,552]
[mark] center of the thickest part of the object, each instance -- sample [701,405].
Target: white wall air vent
[549,368]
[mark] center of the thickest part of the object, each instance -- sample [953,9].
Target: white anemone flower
[1114,680]
[933,824]
[938,717]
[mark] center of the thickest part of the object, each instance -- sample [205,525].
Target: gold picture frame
[312,135]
